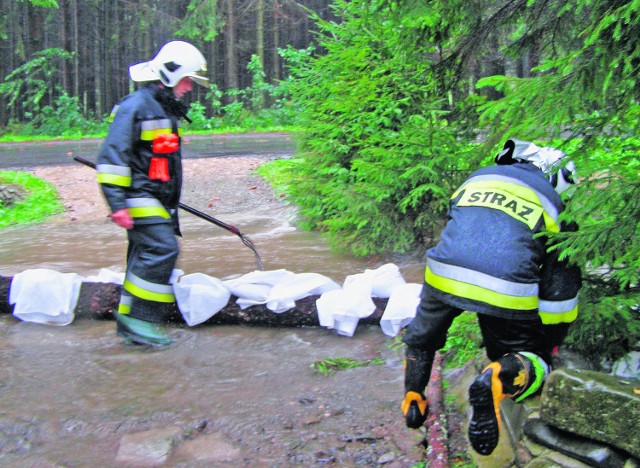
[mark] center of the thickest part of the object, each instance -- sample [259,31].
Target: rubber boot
[136,331]
[417,371]
[508,377]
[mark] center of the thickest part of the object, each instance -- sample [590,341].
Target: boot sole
[484,429]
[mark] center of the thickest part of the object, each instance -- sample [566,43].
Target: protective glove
[122,218]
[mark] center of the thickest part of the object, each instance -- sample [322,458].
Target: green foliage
[330,365]
[28,84]
[40,202]
[608,326]
[64,119]
[379,157]
[202,19]
[44,3]
[261,105]
[464,341]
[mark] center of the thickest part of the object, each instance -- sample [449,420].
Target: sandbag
[45,296]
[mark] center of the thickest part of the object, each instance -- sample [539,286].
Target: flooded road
[220,396]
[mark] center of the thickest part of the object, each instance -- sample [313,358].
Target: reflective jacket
[489,259]
[124,163]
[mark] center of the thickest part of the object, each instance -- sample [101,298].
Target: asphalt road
[55,153]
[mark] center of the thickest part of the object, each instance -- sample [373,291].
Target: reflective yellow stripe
[145,212]
[555,318]
[145,207]
[147,290]
[540,369]
[125,305]
[114,180]
[555,312]
[114,175]
[124,309]
[510,196]
[113,113]
[150,129]
[479,293]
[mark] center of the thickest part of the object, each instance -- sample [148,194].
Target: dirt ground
[80,195]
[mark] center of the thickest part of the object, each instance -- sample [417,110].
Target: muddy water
[220,396]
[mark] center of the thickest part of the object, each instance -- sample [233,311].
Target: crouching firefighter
[140,173]
[491,261]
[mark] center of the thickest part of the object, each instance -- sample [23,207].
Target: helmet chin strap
[172,104]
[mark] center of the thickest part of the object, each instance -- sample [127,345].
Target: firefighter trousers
[151,257]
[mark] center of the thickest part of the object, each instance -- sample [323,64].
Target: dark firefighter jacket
[489,259]
[125,161]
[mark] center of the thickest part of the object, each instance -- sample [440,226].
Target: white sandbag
[105,275]
[200,297]
[401,308]
[283,295]
[45,296]
[383,279]
[342,309]
[254,288]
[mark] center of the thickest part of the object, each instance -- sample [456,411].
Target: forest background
[393,102]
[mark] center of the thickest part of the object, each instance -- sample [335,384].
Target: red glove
[122,218]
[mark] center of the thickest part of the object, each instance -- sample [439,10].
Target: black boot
[417,371]
[507,377]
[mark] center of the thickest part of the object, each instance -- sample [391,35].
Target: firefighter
[491,261]
[140,173]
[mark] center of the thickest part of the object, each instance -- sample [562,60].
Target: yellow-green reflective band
[145,207]
[150,129]
[146,212]
[113,113]
[554,312]
[114,175]
[125,304]
[554,318]
[147,290]
[541,370]
[466,275]
[480,293]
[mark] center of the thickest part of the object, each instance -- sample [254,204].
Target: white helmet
[550,160]
[564,177]
[174,61]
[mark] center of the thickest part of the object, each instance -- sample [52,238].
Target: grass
[464,341]
[39,202]
[330,365]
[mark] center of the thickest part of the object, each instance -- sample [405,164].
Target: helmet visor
[198,78]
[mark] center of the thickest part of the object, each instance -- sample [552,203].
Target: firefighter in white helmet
[140,173]
[491,260]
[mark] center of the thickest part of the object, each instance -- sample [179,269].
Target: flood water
[220,396]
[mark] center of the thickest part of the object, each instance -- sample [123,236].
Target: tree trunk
[231,59]
[97,62]
[75,48]
[97,301]
[275,58]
